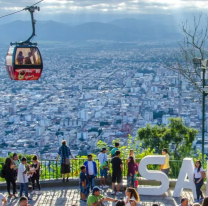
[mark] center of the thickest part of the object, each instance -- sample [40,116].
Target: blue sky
[60,10]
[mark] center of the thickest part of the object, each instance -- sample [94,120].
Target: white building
[165,119]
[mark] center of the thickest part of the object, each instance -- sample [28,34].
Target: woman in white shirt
[132,197]
[198,180]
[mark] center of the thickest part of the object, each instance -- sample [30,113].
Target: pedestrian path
[68,196]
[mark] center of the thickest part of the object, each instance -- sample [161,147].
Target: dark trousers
[91,179]
[36,178]
[13,185]
[198,187]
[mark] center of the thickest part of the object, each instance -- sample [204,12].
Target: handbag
[66,161]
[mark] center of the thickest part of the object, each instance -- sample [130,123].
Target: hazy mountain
[118,30]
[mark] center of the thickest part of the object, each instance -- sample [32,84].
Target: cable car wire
[20,10]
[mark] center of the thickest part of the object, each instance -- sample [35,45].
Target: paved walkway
[69,196]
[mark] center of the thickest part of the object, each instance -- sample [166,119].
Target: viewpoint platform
[68,196]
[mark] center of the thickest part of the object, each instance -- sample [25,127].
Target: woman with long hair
[198,180]
[132,197]
[35,174]
[205,201]
[132,168]
[9,176]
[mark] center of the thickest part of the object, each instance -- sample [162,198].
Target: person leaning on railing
[65,153]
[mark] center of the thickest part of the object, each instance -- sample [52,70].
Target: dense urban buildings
[93,91]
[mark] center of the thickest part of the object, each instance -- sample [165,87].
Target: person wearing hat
[95,199]
[103,159]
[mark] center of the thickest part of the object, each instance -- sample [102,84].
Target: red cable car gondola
[23,60]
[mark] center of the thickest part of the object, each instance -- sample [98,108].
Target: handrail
[50,169]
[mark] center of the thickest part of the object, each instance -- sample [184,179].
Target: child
[83,184]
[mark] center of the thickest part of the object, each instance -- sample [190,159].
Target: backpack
[3,173]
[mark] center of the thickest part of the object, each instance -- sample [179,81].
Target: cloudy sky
[102,9]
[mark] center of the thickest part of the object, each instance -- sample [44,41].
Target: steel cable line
[20,10]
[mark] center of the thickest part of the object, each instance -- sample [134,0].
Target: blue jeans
[25,185]
[130,181]
[91,179]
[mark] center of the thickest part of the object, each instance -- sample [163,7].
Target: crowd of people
[15,171]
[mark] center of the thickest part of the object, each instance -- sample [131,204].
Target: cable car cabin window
[27,56]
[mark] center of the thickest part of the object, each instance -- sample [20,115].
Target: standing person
[83,184]
[9,176]
[132,197]
[23,201]
[198,180]
[117,167]
[131,154]
[132,168]
[65,153]
[16,162]
[3,199]
[113,151]
[36,174]
[165,168]
[103,159]
[91,168]
[22,177]
[96,199]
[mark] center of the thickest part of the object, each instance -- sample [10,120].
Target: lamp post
[203,65]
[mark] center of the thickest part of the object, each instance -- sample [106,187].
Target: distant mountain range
[117,30]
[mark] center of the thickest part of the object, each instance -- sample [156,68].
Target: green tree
[175,134]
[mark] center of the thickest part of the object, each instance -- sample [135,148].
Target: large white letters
[153,175]
[187,170]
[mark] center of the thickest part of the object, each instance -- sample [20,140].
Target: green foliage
[101,144]
[175,134]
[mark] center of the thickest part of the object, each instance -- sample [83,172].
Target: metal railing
[50,169]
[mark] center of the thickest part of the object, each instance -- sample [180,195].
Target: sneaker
[67,179]
[101,186]
[29,198]
[40,192]
[196,201]
[9,196]
[33,192]
[105,186]
[201,199]
[63,180]
[113,192]
[118,193]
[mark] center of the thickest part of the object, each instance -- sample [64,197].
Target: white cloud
[107,6]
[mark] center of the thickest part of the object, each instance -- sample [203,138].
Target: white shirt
[90,168]
[198,174]
[125,200]
[102,158]
[1,198]
[21,177]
